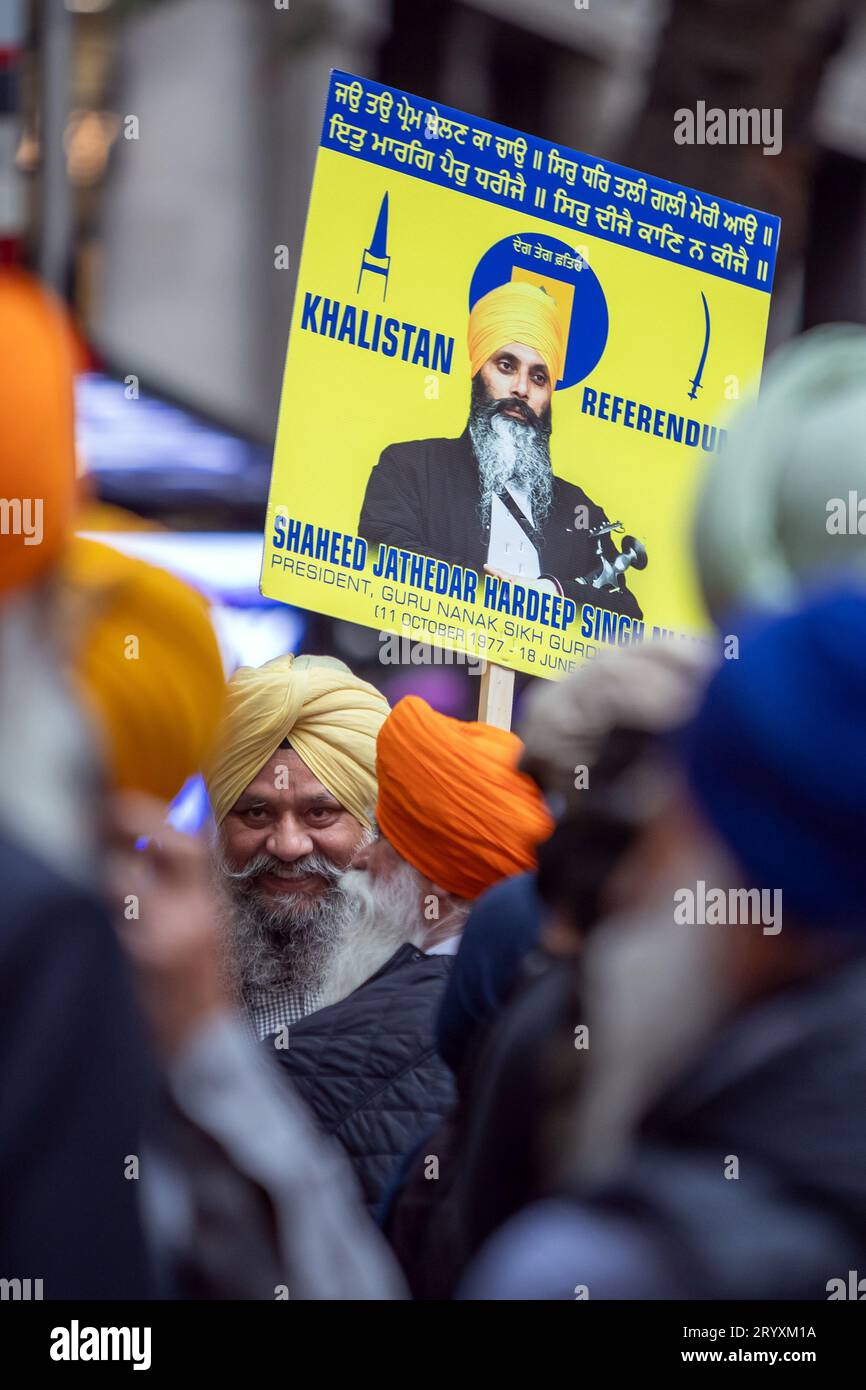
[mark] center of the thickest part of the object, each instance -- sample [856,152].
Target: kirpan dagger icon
[696,379]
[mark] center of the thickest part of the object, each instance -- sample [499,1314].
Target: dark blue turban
[776,756]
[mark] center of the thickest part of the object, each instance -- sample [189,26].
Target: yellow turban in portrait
[147,664]
[517,312]
[330,717]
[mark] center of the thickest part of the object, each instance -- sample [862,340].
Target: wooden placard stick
[496,695]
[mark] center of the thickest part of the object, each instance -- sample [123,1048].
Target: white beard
[329,945]
[285,940]
[264,947]
[381,917]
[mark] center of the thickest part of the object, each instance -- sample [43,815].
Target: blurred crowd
[430,1009]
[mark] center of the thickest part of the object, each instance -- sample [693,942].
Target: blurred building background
[154,153]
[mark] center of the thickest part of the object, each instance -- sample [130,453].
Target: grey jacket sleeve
[250,1149]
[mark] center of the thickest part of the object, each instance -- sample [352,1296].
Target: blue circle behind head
[587,330]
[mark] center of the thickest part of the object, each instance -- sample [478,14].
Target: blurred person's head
[747,879]
[292,783]
[79,619]
[592,742]
[48,764]
[37,439]
[781,505]
[517,352]
[146,664]
[587,844]
[774,760]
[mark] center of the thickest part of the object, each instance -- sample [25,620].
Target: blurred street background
[438,928]
[153,153]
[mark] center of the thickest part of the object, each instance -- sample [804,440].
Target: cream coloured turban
[330,717]
[517,312]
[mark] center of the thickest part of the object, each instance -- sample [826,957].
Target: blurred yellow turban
[517,312]
[37,438]
[148,666]
[330,717]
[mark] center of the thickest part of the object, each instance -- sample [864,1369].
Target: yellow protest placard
[507,364]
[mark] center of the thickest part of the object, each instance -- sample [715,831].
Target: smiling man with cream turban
[490,499]
[292,782]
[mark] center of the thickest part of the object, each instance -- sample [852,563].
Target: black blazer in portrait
[424,496]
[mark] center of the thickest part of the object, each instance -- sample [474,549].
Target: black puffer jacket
[368,1066]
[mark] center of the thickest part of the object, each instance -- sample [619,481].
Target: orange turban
[148,666]
[517,312]
[451,800]
[37,437]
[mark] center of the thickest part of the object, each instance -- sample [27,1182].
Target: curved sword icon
[696,379]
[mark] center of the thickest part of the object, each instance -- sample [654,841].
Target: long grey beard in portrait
[508,451]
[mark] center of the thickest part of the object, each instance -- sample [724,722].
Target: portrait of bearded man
[292,783]
[489,499]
